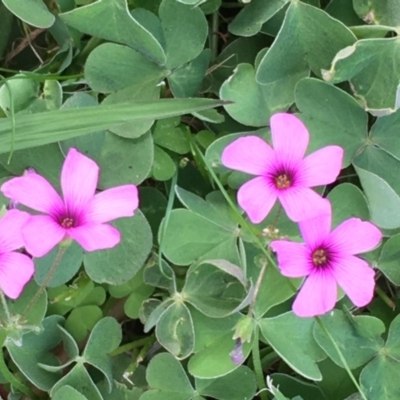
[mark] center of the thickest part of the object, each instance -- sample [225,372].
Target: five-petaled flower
[16,269]
[282,172]
[80,215]
[327,259]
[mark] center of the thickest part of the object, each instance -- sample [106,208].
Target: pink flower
[282,172]
[15,268]
[80,215]
[328,259]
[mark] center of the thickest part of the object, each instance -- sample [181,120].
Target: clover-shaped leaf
[35,350]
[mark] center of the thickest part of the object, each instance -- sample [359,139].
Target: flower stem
[255,352]
[5,307]
[170,204]
[257,287]
[49,277]
[9,376]
[385,297]
[278,215]
[342,359]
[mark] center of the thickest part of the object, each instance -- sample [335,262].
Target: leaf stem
[342,358]
[255,352]
[49,277]
[130,346]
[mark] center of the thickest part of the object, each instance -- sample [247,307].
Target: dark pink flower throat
[320,258]
[282,181]
[67,222]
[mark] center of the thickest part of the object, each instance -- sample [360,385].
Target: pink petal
[257,197]
[317,296]
[15,271]
[355,236]
[289,136]
[315,230]
[79,178]
[321,167]
[95,236]
[10,230]
[113,203]
[356,279]
[33,191]
[41,234]
[302,203]
[249,154]
[293,258]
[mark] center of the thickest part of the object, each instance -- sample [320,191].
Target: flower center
[319,258]
[67,222]
[283,181]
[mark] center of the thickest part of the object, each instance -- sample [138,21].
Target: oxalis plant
[199,199]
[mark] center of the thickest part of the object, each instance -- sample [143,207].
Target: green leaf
[239,51]
[343,11]
[153,205]
[332,117]
[250,20]
[118,392]
[358,339]
[81,320]
[238,385]
[255,103]
[373,80]
[301,45]
[378,12]
[141,92]
[52,126]
[388,261]
[36,349]
[156,277]
[300,351]
[105,337]
[186,80]
[375,170]
[379,377]
[169,133]
[33,12]
[185,32]
[69,265]
[335,382]
[109,68]
[384,133]
[213,346]
[291,386]
[68,393]
[6,22]
[135,300]
[164,167]
[354,206]
[167,379]
[118,265]
[24,92]
[38,310]
[80,380]
[175,331]
[135,157]
[111,20]
[215,287]
[189,238]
